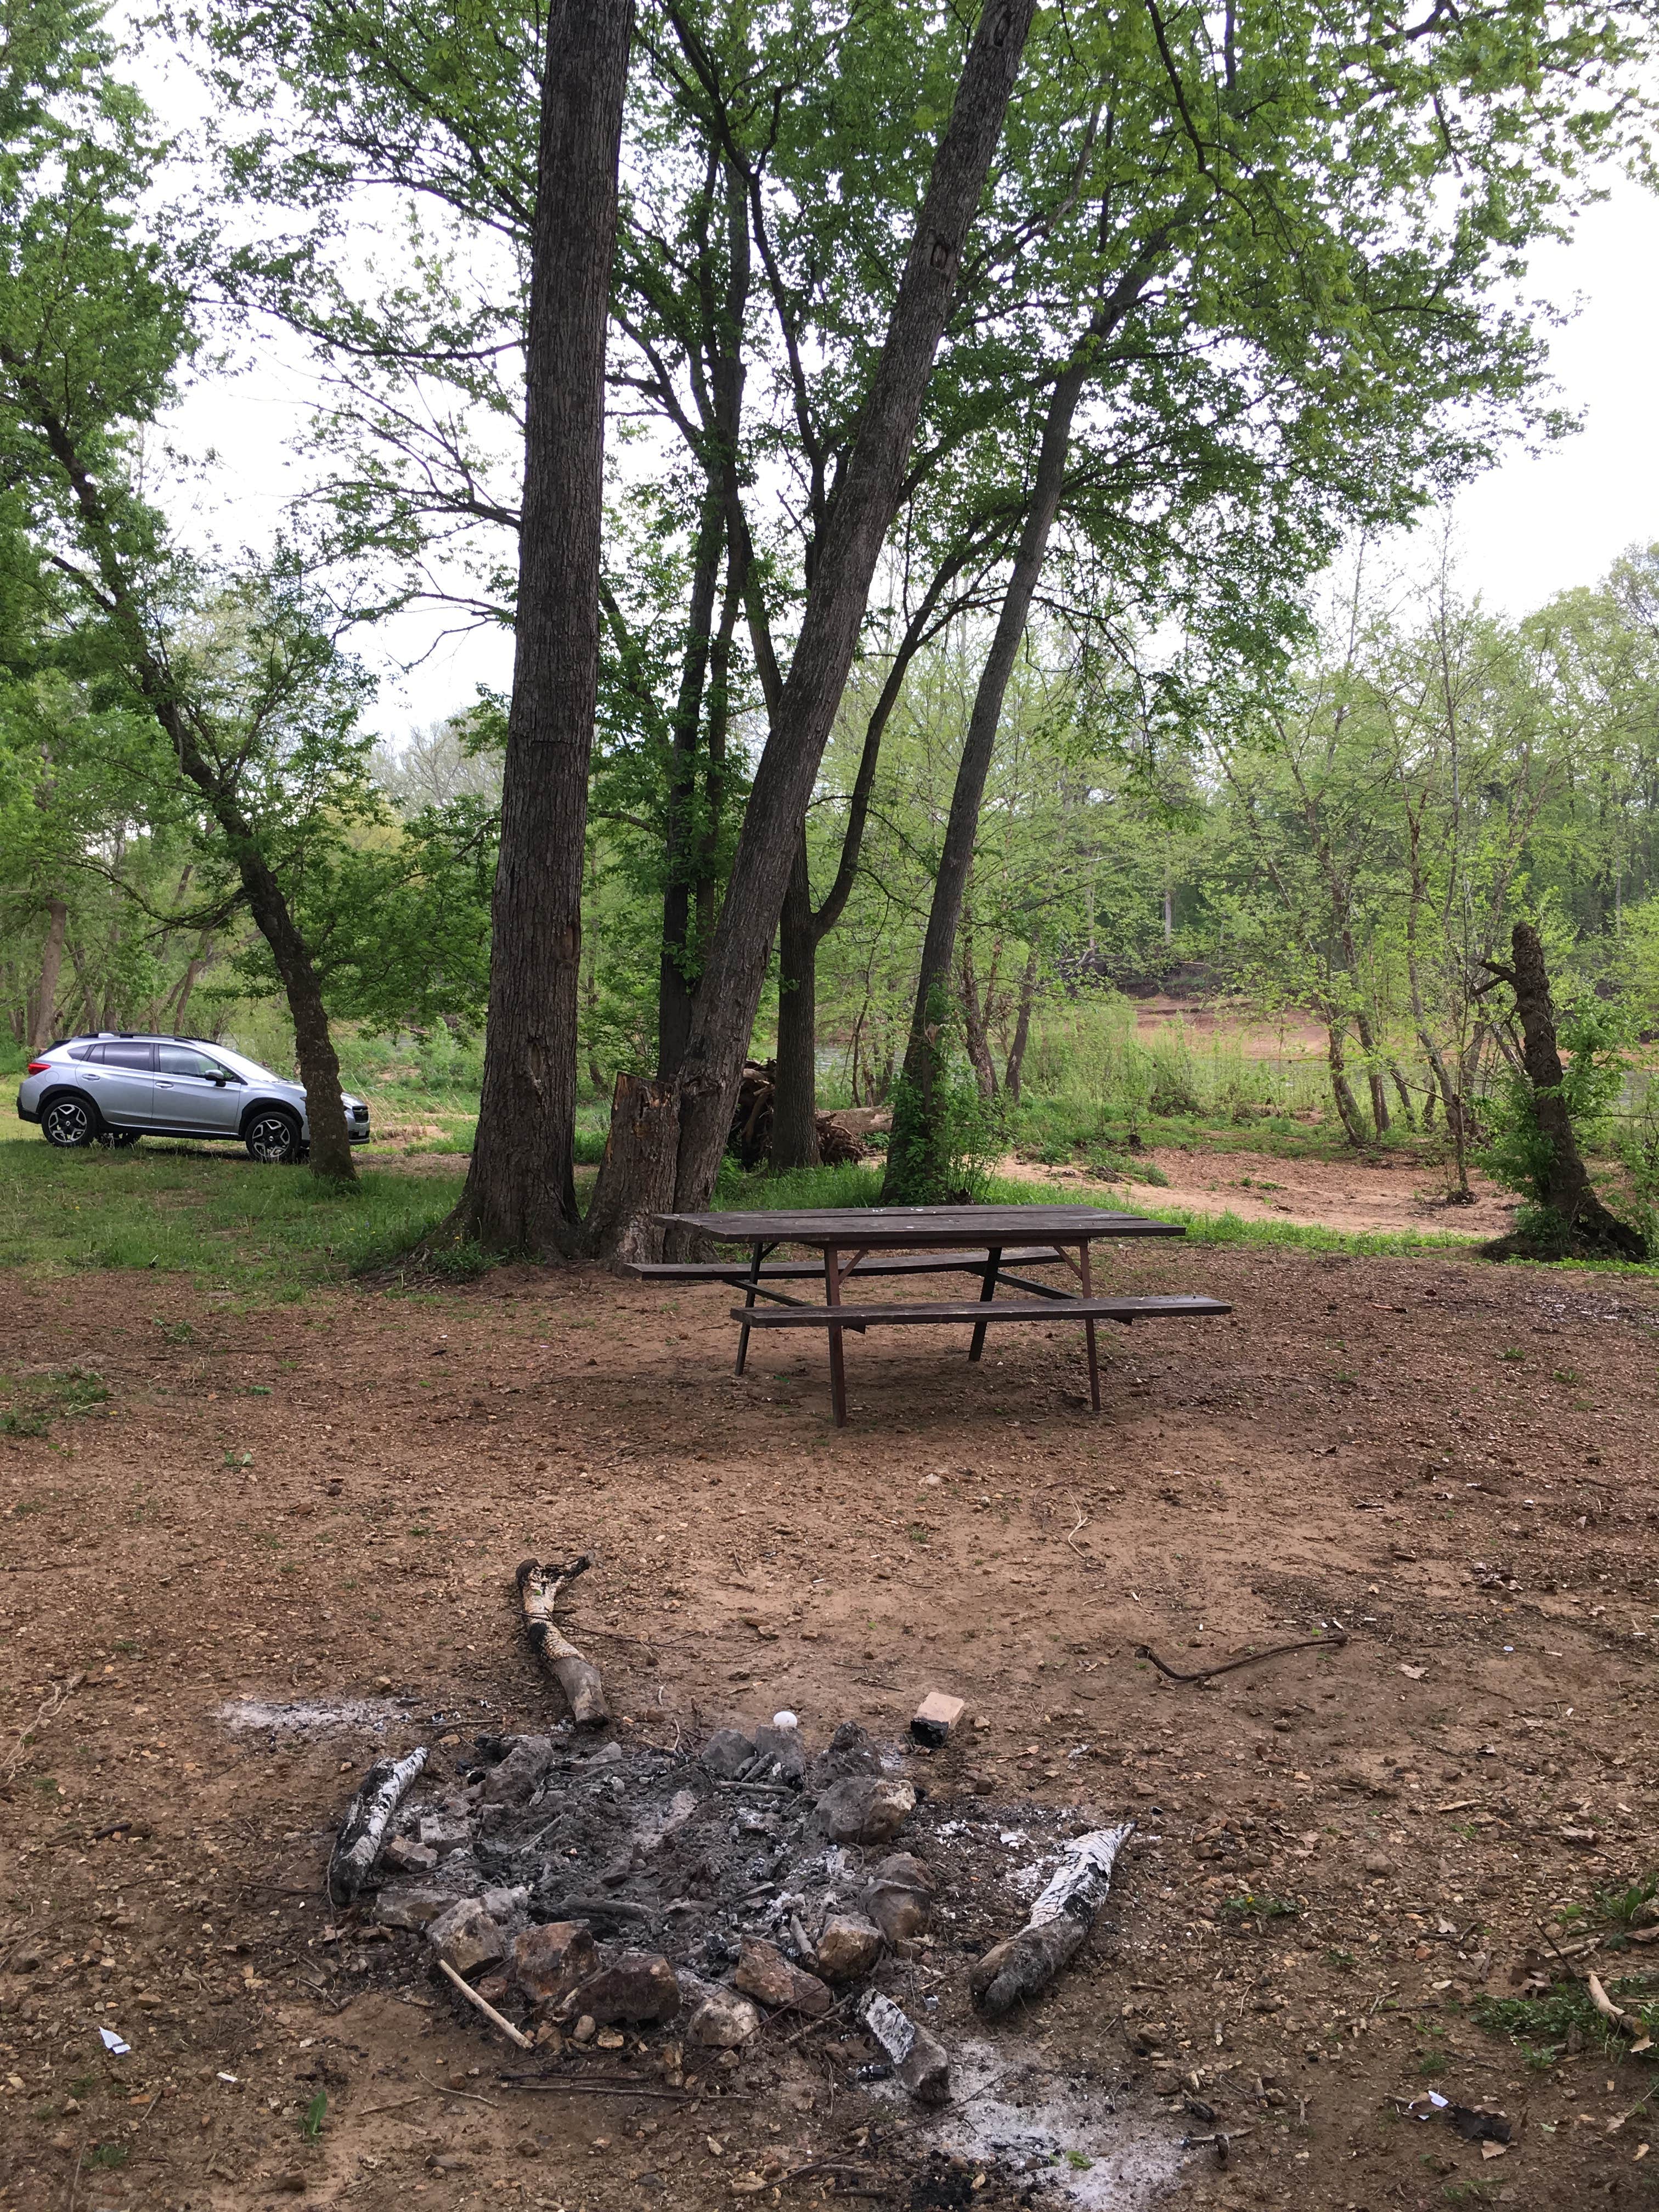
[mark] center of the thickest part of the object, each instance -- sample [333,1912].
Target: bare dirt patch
[1372,1193]
[285,1543]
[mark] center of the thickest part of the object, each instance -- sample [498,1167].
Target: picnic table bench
[990,1242]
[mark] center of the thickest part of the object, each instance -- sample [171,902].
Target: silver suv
[114,1087]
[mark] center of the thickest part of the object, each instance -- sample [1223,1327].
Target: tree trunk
[794,1097]
[1348,1105]
[867,498]
[798,948]
[51,966]
[682,844]
[976,1020]
[640,1151]
[1027,983]
[1562,1182]
[957,855]
[313,1044]
[521,1192]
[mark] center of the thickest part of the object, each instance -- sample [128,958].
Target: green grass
[29,1404]
[1542,2023]
[861,1186]
[216,1216]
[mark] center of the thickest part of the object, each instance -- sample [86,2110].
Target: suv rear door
[120,1077]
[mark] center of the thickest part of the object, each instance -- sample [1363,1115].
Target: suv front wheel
[273,1137]
[69,1121]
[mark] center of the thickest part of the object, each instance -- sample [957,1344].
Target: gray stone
[521,1773]
[410,1908]
[443,1833]
[765,1972]
[900,1897]
[726,1753]
[549,1961]
[866,1809]
[723,2020]
[636,1985]
[849,1946]
[783,1747]
[849,1751]
[404,1856]
[465,1937]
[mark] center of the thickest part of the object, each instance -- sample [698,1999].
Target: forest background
[1236,769]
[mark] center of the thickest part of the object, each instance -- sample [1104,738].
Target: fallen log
[1024,1964]
[539,1585]
[362,1832]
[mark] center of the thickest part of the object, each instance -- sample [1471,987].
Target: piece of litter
[1013,1837]
[231,2078]
[785,1719]
[113,2044]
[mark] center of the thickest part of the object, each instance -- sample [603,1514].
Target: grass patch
[1541,2024]
[861,1186]
[218,1216]
[29,1404]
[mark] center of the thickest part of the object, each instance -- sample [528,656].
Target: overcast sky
[1537,524]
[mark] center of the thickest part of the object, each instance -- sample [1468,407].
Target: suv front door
[121,1078]
[196,1094]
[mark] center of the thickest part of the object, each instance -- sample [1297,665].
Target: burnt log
[1024,1964]
[362,1832]
[539,1586]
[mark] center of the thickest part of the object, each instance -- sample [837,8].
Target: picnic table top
[875,1227]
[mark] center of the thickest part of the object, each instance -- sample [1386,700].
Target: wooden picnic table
[974,1239]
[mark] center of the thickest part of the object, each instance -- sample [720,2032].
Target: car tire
[69,1121]
[272,1137]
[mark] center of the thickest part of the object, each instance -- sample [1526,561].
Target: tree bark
[682,845]
[957,854]
[794,1107]
[865,500]
[51,967]
[1348,1106]
[520,1191]
[798,945]
[1563,1183]
[1027,983]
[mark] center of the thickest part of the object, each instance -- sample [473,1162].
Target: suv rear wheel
[69,1121]
[273,1137]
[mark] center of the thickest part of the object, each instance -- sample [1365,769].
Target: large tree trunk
[957,854]
[794,1111]
[865,500]
[51,967]
[1348,1106]
[1562,1182]
[520,1192]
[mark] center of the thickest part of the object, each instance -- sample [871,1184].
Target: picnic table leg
[987,1291]
[837,1366]
[1089,1329]
[748,1301]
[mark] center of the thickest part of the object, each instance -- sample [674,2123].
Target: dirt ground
[286,1545]
[1375,1192]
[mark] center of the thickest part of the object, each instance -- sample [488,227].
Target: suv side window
[140,1056]
[179,1059]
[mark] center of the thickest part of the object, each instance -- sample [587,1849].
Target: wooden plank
[811,1271]
[975,1314]
[878,1227]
